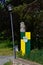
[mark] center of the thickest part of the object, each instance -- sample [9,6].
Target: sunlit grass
[6,51]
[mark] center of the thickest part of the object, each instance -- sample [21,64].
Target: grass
[35,55]
[6,44]
[6,48]
[6,52]
[8,63]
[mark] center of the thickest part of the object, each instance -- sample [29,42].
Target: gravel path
[4,59]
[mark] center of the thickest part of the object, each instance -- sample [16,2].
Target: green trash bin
[25,42]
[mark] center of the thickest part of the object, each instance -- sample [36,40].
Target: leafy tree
[32,15]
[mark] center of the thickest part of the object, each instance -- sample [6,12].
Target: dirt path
[24,62]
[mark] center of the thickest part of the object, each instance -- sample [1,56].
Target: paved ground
[4,59]
[18,61]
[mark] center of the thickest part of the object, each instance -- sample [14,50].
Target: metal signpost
[10,11]
[3,2]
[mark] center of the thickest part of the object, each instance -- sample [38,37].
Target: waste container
[25,42]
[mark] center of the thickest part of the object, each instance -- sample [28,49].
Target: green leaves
[19,9]
[1,6]
[8,1]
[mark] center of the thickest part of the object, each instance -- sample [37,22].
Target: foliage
[1,6]
[8,63]
[19,54]
[19,2]
[33,19]
[6,44]
[35,55]
[27,1]
[19,10]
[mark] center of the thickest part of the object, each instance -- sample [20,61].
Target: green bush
[19,54]
[35,55]
[6,43]
[8,63]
